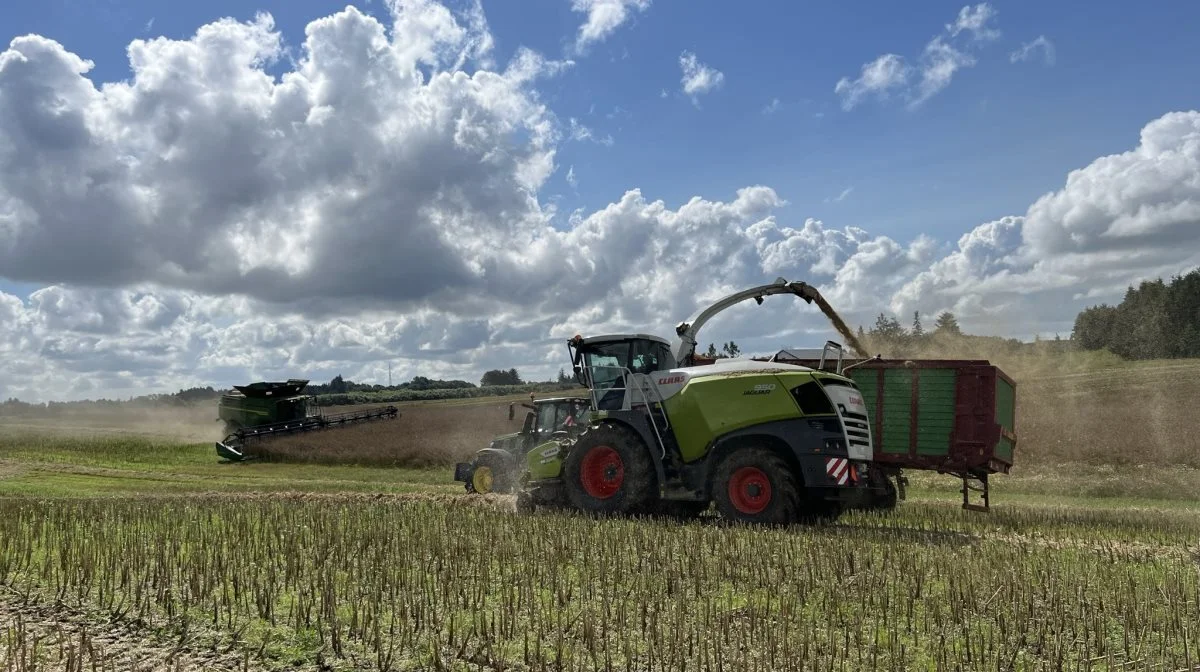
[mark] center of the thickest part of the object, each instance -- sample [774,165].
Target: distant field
[427,433]
[1140,414]
[1082,409]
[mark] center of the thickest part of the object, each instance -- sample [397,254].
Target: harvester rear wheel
[753,485]
[607,471]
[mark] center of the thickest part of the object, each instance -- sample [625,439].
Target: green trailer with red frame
[952,416]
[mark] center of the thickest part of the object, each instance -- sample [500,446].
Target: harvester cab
[767,442]
[617,368]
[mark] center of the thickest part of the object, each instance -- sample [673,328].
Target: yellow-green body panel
[710,406]
[545,460]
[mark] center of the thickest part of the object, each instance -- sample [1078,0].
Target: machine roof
[604,338]
[737,365]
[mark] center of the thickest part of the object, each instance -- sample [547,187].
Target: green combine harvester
[265,410]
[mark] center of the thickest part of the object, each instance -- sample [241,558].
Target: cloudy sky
[213,193]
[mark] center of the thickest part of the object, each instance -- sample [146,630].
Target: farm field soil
[451,426]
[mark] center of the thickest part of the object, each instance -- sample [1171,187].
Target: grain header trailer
[266,410]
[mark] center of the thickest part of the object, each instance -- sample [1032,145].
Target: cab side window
[649,357]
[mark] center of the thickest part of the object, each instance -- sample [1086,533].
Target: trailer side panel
[936,411]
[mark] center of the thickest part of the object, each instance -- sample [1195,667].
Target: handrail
[623,383]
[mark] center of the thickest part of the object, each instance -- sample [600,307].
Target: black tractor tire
[503,473]
[610,471]
[754,485]
[547,496]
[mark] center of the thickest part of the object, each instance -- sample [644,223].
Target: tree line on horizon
[337,391]
[896,340]
[1156,320]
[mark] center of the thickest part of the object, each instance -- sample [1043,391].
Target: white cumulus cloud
[603,18]
[205,222]
[890,74]
[698,78]
[1121,219]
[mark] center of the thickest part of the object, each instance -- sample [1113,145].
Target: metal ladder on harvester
[653,409]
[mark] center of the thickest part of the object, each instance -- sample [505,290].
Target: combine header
[269,409]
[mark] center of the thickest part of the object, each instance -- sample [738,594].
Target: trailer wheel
[883,493]
[608,471]
[753,485]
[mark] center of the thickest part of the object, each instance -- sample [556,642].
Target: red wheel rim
[602,472]
[750,490]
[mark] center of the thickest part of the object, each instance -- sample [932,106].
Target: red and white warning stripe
[838,468]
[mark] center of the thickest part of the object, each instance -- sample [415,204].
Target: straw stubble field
[137,552]
[339,582]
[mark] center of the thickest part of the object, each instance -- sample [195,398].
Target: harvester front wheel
[609,471]
[753,485]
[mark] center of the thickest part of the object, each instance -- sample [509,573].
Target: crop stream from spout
[841,326]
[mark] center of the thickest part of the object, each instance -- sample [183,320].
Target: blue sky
[964,169]
[999,136]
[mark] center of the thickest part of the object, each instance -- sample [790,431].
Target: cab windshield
[607,362]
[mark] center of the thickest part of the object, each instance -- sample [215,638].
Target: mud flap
[462,471]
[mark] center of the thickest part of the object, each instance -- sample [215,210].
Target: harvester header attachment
[266,410]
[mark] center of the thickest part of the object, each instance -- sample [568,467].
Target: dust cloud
[1088,407]
[187,424]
